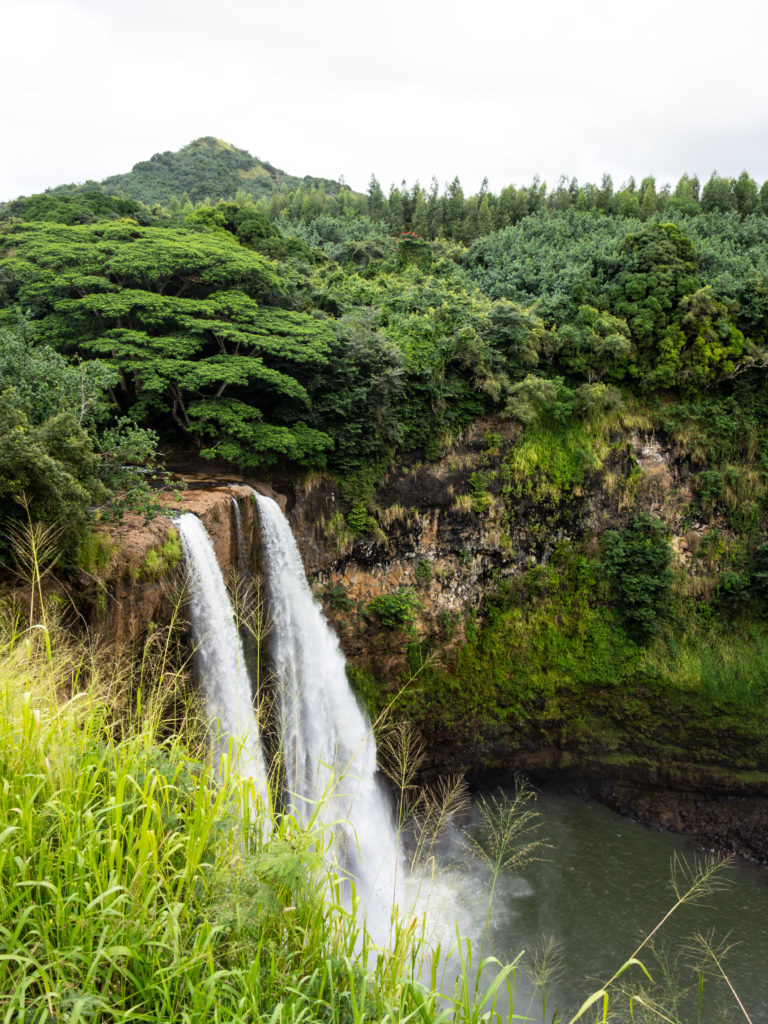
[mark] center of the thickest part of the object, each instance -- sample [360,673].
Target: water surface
[603,886]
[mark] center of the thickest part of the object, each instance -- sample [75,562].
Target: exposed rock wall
[453,546]
[143,580]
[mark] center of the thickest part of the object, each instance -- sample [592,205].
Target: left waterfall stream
[220,658]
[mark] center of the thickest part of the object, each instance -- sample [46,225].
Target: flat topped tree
[189,320]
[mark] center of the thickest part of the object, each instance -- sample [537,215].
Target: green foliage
[136,880]
[338,598]
[359,519]
[249,225]
[724,439]
[540,400]
[397,610]
[205,169]
[703,348]
[423,571]
[161,560]
[356,395]
[52,466]
[517,333]
[42,383]
[174,312]
[637,563]
[478,490]
[597,346]
[131,469]
[84,207]
[55,459]
[94,552]
[549,462]
[412,249]
[338,533]
[551,660]
[219,328]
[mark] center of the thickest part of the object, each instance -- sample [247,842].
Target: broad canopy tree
[194,323]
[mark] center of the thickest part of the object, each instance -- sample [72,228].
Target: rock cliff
[448,532]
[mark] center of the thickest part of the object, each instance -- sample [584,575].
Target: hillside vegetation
[211,307]
[318,329]
[205,169]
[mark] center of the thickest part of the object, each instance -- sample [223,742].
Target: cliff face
[449,532]
[448,529]
[142,581]
[455,528]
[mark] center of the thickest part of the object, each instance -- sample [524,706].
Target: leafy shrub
[423,571]
[396,610]
[539,399]
[359,520]
[478,489]
[636,561]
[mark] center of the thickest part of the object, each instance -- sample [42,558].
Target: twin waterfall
[328,752]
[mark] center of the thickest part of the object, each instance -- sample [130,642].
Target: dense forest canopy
[207,305]
[303,324]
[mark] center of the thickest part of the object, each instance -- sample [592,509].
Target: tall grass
[138,885]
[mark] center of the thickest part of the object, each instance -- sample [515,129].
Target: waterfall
[328,748]
[219,654]
[242,551]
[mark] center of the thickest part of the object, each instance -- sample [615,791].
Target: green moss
[162,560]
[94,552]
[551,661]
[550,460]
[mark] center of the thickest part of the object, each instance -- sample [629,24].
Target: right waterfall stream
[327,745]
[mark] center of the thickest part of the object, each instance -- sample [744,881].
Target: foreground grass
[136,885]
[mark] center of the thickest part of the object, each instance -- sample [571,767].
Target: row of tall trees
[224,335]
[436,212]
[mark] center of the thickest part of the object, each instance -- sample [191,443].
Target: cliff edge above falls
[140,578]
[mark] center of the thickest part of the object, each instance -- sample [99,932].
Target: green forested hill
[294,327]
[206,168]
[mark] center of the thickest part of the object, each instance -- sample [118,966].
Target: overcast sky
[403,89]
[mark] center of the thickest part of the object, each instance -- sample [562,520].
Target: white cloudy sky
[403,89]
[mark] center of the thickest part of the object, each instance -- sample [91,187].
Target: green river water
[597,891]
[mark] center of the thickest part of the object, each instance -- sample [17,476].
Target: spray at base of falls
[328,749]
[219,655]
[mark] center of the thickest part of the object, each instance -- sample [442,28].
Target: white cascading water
[242,554]
[328,747]
[219,654]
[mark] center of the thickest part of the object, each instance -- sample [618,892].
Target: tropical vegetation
[208,306]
